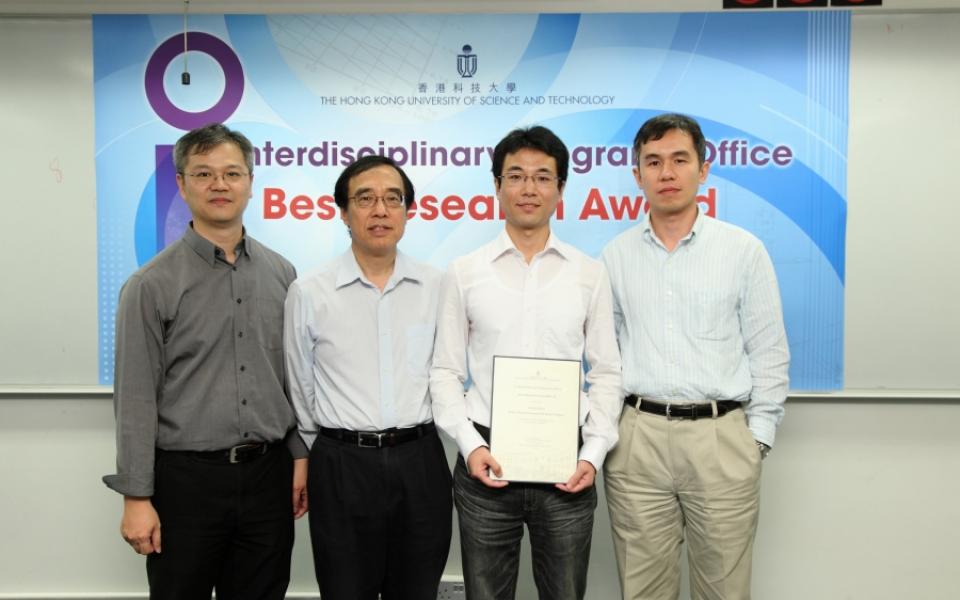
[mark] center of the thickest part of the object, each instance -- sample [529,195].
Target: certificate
[535,418]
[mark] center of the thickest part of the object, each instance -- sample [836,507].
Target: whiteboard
[48,248]
[903,256]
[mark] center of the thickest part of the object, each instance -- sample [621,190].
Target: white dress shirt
[357,358]
[703,322]
[558,306]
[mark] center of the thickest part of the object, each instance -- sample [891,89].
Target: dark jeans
[380,519]
[223,526]
[491,528]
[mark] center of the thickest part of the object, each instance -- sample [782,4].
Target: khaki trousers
[669,476]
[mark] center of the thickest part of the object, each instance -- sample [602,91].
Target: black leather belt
[238,454]
[379,439]
[682,411]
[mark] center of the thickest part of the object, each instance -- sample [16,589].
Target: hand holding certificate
[534,420]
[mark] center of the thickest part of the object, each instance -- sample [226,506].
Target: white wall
[858,503]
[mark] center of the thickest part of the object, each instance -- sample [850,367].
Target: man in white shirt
[705,372]
[358,338]
[525,294]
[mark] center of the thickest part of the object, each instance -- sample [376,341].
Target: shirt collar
[698,225]
[207,250]
[349,270]
[504,245]
[695,231]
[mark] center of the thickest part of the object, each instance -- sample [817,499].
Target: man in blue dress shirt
[705,363]
[358,336]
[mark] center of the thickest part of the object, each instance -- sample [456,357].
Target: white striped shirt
[703,322]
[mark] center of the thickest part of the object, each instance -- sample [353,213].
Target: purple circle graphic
[232,74]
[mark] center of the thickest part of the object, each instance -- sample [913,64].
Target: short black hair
[535,138]
[657,127]
[365,163]
[204,139]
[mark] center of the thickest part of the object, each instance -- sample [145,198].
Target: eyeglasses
[208,177]
[390,200]
[518,179]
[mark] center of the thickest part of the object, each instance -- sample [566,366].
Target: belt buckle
[239,453]
[668,415]
[695,412]
[376,438]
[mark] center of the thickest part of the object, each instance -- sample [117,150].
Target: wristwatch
[764,450]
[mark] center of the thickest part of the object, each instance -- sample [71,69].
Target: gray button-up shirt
[199,356]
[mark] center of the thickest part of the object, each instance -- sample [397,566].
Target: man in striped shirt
[705,363]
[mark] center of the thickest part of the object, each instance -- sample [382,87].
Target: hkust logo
[467,62]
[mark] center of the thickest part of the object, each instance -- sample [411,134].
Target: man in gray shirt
[205,432]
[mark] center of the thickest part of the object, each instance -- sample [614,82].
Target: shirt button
[239,300]
[240,334]
[243,368]
[243,402]
[246,434]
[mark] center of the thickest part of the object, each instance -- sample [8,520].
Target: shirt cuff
[762,430]
[139,486]
[297,444]
[469,439]
[593,451]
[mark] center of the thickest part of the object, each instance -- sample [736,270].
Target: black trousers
[223,526]
[380,519]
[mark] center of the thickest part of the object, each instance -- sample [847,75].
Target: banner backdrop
[436,92]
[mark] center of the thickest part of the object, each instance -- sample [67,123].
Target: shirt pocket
[268,320]
[418,348]
[714,314]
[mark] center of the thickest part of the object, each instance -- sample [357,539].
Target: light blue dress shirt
[703,322]
[358,358]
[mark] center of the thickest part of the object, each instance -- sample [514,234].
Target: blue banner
[436,92]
